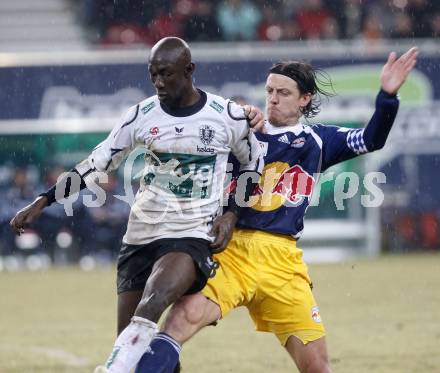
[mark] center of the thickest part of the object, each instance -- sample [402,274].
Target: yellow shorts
[265,272]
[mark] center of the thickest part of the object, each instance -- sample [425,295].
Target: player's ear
[189,70]
[305,99]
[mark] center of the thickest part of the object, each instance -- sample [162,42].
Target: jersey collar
[272,130]
[189,110]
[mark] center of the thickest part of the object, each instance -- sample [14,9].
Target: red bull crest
[282,185]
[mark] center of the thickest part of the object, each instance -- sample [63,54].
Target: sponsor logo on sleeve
[216,106]
[148,107]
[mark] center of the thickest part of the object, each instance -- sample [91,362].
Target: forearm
[380,124]
[41,201]
[105,157]
[65,187]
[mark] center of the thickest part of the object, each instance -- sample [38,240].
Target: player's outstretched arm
[347,143]
[396,70]
[28,214]
[394,74]
[105,157]
[31,212]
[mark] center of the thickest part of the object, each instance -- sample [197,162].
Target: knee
[318,365]
[193,308]
[185,317]
[309,358]
[188,310]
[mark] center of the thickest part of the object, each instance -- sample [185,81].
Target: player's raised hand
[27,215]
[255,118]
[222,229]
[396,70]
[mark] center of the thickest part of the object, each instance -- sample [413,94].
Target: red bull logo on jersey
[282,185]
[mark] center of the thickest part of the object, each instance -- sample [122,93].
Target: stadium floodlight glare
[28,241]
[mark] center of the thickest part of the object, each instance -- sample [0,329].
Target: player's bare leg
[172,275]
[309,358]
[190,314]
[187,316]
[127,304]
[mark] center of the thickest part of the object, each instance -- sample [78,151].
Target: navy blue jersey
[295,155]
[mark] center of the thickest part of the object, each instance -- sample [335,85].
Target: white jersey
[186,154]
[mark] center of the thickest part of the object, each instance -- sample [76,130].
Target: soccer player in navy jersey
[262,267]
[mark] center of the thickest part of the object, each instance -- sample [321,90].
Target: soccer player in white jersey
[262,268]
[166,251]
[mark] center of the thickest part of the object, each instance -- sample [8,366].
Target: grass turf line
[381,315]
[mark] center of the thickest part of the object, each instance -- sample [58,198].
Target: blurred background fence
[68,69]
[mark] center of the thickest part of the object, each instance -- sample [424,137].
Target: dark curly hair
[309,80]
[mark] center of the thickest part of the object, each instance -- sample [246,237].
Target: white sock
[131,344]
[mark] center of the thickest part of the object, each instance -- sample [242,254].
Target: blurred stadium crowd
[142,21]
[91,233]
[92,236]
[97,232]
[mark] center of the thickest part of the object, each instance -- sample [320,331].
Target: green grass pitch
[381,315]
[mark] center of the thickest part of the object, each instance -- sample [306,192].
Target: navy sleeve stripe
[85,173]
[50,193]
[249,144]
[130,121]
[113,153]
